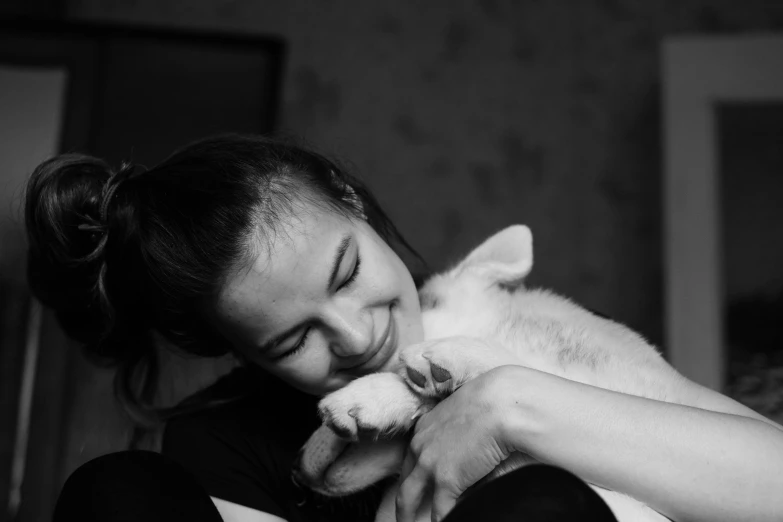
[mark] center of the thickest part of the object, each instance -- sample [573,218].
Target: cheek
[397,280]
[308,371]
[410,312]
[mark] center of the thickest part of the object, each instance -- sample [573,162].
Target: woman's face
[324,302]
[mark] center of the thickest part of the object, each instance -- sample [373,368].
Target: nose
[352,330]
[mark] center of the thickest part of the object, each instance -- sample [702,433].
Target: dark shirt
[242,451]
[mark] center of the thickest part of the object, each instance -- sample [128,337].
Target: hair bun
[62,208]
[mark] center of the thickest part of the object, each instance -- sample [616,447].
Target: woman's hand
[685,462]
[454,446]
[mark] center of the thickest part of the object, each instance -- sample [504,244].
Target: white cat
[481,299]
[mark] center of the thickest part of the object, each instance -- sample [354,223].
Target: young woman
[265,249]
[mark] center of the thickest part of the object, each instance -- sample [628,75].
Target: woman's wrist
[514,392]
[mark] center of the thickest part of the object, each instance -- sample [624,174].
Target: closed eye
[348,282]
[295,349]
[302,340]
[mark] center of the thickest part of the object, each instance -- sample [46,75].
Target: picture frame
[699,73]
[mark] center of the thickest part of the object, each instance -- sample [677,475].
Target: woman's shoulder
[242,448]
[239,438]
[249,400]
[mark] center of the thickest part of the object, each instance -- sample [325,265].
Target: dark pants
[133,486]
[535,493]
[141,486]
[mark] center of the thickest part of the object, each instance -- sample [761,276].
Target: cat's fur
[482,300]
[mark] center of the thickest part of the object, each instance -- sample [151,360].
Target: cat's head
[491,271]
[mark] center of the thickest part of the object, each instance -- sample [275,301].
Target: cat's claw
[436,368]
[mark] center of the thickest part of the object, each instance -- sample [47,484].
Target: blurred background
[595,122]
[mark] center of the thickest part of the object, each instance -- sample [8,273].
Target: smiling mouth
[382,353]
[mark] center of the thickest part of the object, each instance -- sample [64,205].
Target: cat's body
[482,301]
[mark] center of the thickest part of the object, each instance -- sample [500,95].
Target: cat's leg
[377,406]
[337,467]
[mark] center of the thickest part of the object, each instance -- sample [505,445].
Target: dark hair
[124,256]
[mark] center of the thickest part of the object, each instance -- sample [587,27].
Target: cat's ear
[505,258]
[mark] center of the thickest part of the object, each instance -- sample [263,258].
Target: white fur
[500,322]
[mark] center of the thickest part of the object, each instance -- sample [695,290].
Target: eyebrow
[342,248]
[338,259]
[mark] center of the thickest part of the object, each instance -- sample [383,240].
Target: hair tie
[126,172]
[105,199]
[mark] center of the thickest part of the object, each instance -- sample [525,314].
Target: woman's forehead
[287,265]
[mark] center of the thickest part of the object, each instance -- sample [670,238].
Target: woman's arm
[707,399]
[688,463]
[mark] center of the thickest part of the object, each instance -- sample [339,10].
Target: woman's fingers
[443,502]
[420,491]
[411,494]
[455,444]
[408,464]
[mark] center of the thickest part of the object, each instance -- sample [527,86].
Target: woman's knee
[133,485]
[534,493]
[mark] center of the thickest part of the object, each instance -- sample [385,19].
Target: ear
[505,258]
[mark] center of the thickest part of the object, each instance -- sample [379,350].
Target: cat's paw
[376,405]
[438,367]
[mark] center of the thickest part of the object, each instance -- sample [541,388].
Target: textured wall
[468,116]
